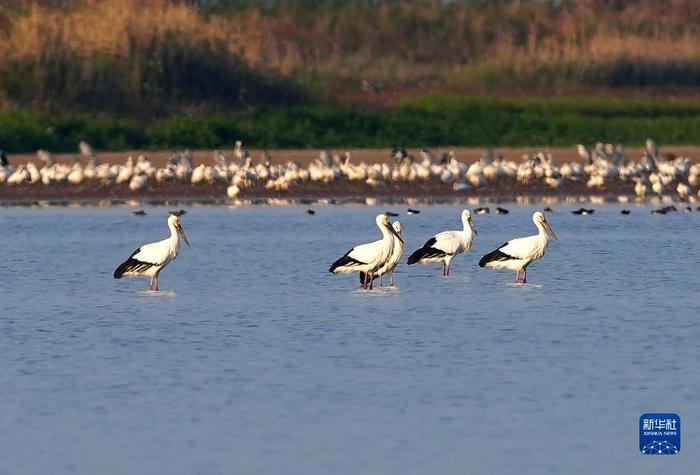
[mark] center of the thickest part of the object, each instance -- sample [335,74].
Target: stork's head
[174,223]
[468,221]
[397,227]
[541,222]
[383,221]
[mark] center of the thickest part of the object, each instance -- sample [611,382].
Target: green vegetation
[413,121]
[301,73]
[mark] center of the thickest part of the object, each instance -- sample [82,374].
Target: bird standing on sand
[444,246]
[370,257]
[519,253]
[149,259]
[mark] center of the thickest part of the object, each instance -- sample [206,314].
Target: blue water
[255,359]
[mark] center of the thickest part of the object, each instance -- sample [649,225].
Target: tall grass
[158,56]
[130,57]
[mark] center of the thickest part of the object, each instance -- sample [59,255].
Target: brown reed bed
[154,56]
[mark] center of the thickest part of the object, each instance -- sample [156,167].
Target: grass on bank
[413,121]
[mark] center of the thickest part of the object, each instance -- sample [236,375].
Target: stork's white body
[158,254]
[149,259]
[370,257]
[523,251]
[444,246]
[519,253]
[394,258]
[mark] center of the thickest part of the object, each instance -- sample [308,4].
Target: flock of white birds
[653,174]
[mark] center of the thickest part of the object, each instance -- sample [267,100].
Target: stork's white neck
[173,232]
[542,233]
[468,232]
[385,231]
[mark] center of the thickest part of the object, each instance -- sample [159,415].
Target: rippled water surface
[255,359]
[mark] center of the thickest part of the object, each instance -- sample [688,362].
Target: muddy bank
[504,189]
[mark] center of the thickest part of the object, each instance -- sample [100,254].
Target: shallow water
[255,359]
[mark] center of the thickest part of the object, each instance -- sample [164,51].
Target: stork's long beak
[471,225]
[393,231]
[181,233]
[549,230]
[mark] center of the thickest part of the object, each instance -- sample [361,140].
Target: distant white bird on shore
[368,258]
[519,253]
[19,176]
[240,151]
[683,190]
[444,246]
[232,191]
[149,259]
[76,176]
[138,182]
[640,188]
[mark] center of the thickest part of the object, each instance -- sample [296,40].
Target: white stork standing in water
[369,258]
[149,259]
[519,253]
[444,246]
[393,261]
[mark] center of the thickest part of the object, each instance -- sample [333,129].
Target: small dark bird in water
[668,209]
[139,213]
[548,210]
[688,209]
[310,211]
[391,214]
[659,211]
[625,211]
[415,211]
[178,213]
[482,210]
[583,211]
[500,210]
